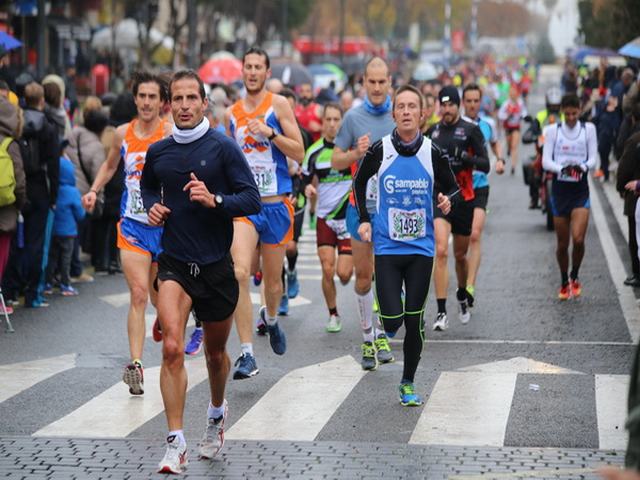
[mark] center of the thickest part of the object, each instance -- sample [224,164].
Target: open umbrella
[291,73]
[9,42]
[222,70]
[631,49]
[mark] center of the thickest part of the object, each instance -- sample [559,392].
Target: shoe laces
[381,343]
[173,452]
[368,350]
[407,389]
[215,426]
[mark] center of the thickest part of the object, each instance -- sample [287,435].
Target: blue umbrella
[631,49]
[9,42]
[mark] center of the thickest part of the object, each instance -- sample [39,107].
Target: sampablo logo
[391,184]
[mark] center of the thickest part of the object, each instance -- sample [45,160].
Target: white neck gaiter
[189,135]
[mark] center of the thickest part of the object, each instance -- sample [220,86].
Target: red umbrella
[221,70]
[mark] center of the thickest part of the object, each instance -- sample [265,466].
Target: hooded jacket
[93,156]
[44,182]
[8,126]
[69,209]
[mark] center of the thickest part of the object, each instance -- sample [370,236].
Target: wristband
[273,135]
[94,191]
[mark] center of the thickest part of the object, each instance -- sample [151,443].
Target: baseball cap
[449,94]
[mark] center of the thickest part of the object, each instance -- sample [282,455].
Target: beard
[305,101]
[258,89]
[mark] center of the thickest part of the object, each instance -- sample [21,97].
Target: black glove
[463,157]
[454,162]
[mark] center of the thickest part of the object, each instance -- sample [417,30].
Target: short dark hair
[288,93]
[257,51]
[472,87]
[335,106]
[408,88]
[146,77]
[52,94]
[570,100]
[4,85]
[95,121]
[186,74]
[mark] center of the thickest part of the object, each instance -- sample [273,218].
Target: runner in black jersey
[463,143]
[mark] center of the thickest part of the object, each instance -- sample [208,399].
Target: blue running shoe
[68,291]
[277,339]
[195,343]
[48,289]
[293,286]
[408,396]
[246,367]
[283,309]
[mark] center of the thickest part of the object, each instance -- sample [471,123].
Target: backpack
[30,151]
[7,175]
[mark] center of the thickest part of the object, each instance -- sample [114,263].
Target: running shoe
[471,292]
[335,324]
[48,289]
[576,288]
[369,359]
[565,292]
[195,343]
[313,221]
[156,331]
[82,278]
[464,314]
[257,278]
[246,367]
[38,303]
[277,339]
[261,322]
[441,323]
[68,291]
[134,377]
[213,438]
[383,349]
[283,309]
[7,309]
[175,457]
[408,396]
[293,286]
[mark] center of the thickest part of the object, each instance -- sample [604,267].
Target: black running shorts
[481,198]
[460,217]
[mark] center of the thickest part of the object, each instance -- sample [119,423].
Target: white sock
[246,348]
[271,321]
[365,314]
[179,434]
[215,412]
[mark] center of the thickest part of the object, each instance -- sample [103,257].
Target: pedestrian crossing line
[115,413]
[319,390]
[611,409]
[117,299]
[294,302]
[17,377]
[304,276]
[307,266]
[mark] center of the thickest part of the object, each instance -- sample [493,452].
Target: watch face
[219,199]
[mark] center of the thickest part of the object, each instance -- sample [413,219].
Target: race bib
[265,176]
[572,176]
[407,224]
[136,207]
[372,189]
[339,227]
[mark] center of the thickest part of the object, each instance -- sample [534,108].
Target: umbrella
[221,54]
[631,49]
[127,36]
[9,42]
[291,73]
[324,74]
[224,70]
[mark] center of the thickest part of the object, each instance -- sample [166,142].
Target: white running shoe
[441,323]
[335,324]
[175,457]
[464,314]
[213,438]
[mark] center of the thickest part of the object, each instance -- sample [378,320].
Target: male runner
[471,100]
[570,151]
[265,128]
[308,112]
[194,183]
[462,142]
[332,192]
[361,126]
[138,241]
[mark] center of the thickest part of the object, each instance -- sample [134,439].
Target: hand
[500,166]
[364,230]
[198,192]
[444,204]
[362,145]
[310,191]
[631,186]
[89,201]
[158,214]
[613,473]
[256,127]
[463,157]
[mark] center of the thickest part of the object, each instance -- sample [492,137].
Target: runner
[360,127]
[308,112]
[471,99]
[463,143]
[406,165]
[265,128]
[510,114]
[570,151]
[332,193]
[194,183]
[138,241]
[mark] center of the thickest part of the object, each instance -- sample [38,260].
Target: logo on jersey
[135,173]
[250,145]
[391,184]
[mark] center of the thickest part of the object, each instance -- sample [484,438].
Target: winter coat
[629,169]
[93,156]
[69,209]
[8,125]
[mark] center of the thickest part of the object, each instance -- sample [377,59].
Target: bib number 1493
[407,224]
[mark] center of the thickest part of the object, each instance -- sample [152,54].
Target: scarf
[377,110]
[189,135]
[406,149]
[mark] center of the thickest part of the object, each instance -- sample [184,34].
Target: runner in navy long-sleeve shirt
[194,183]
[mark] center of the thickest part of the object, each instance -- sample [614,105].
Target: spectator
[54,111]
[607,121]
[10,126]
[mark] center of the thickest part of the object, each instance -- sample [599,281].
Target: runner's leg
[136,268]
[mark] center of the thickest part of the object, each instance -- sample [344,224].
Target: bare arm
[290,141]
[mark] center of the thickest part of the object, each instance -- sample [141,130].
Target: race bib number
[407,224]
[136,207]
[572,175]
[339,227]
[265,177]
[372,189]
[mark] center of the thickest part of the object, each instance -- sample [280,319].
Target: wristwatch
[219,199]
[273,135]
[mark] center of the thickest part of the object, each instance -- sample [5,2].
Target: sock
[215,412]
[365,313]
[291,261]
[461,294]
[574,273]
[179,434]
[565,278]
[378,331]
[333,311]
[246,348]
[442,305]
[271,321]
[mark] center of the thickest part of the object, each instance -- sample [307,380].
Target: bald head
[376,64]
[274,85]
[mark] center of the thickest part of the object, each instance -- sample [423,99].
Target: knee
[460,255]
[139,296]
[578,241]
[363,282]
[272,288]
[344,277]
[217,358]
[172,352]
[442,252]
[328,271]
[475,236]
[242,273]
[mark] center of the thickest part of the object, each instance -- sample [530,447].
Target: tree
[544,52]
[597,17]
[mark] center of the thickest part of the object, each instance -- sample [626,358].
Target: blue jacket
[69,209]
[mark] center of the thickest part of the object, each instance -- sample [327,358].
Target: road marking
[545,473]
[117,299]
[114,413]
[519,365]
[304,276]
[611,408]
[616,268]
[520,342]
[17,377]
[320,389]
[308,266]
[294,302]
